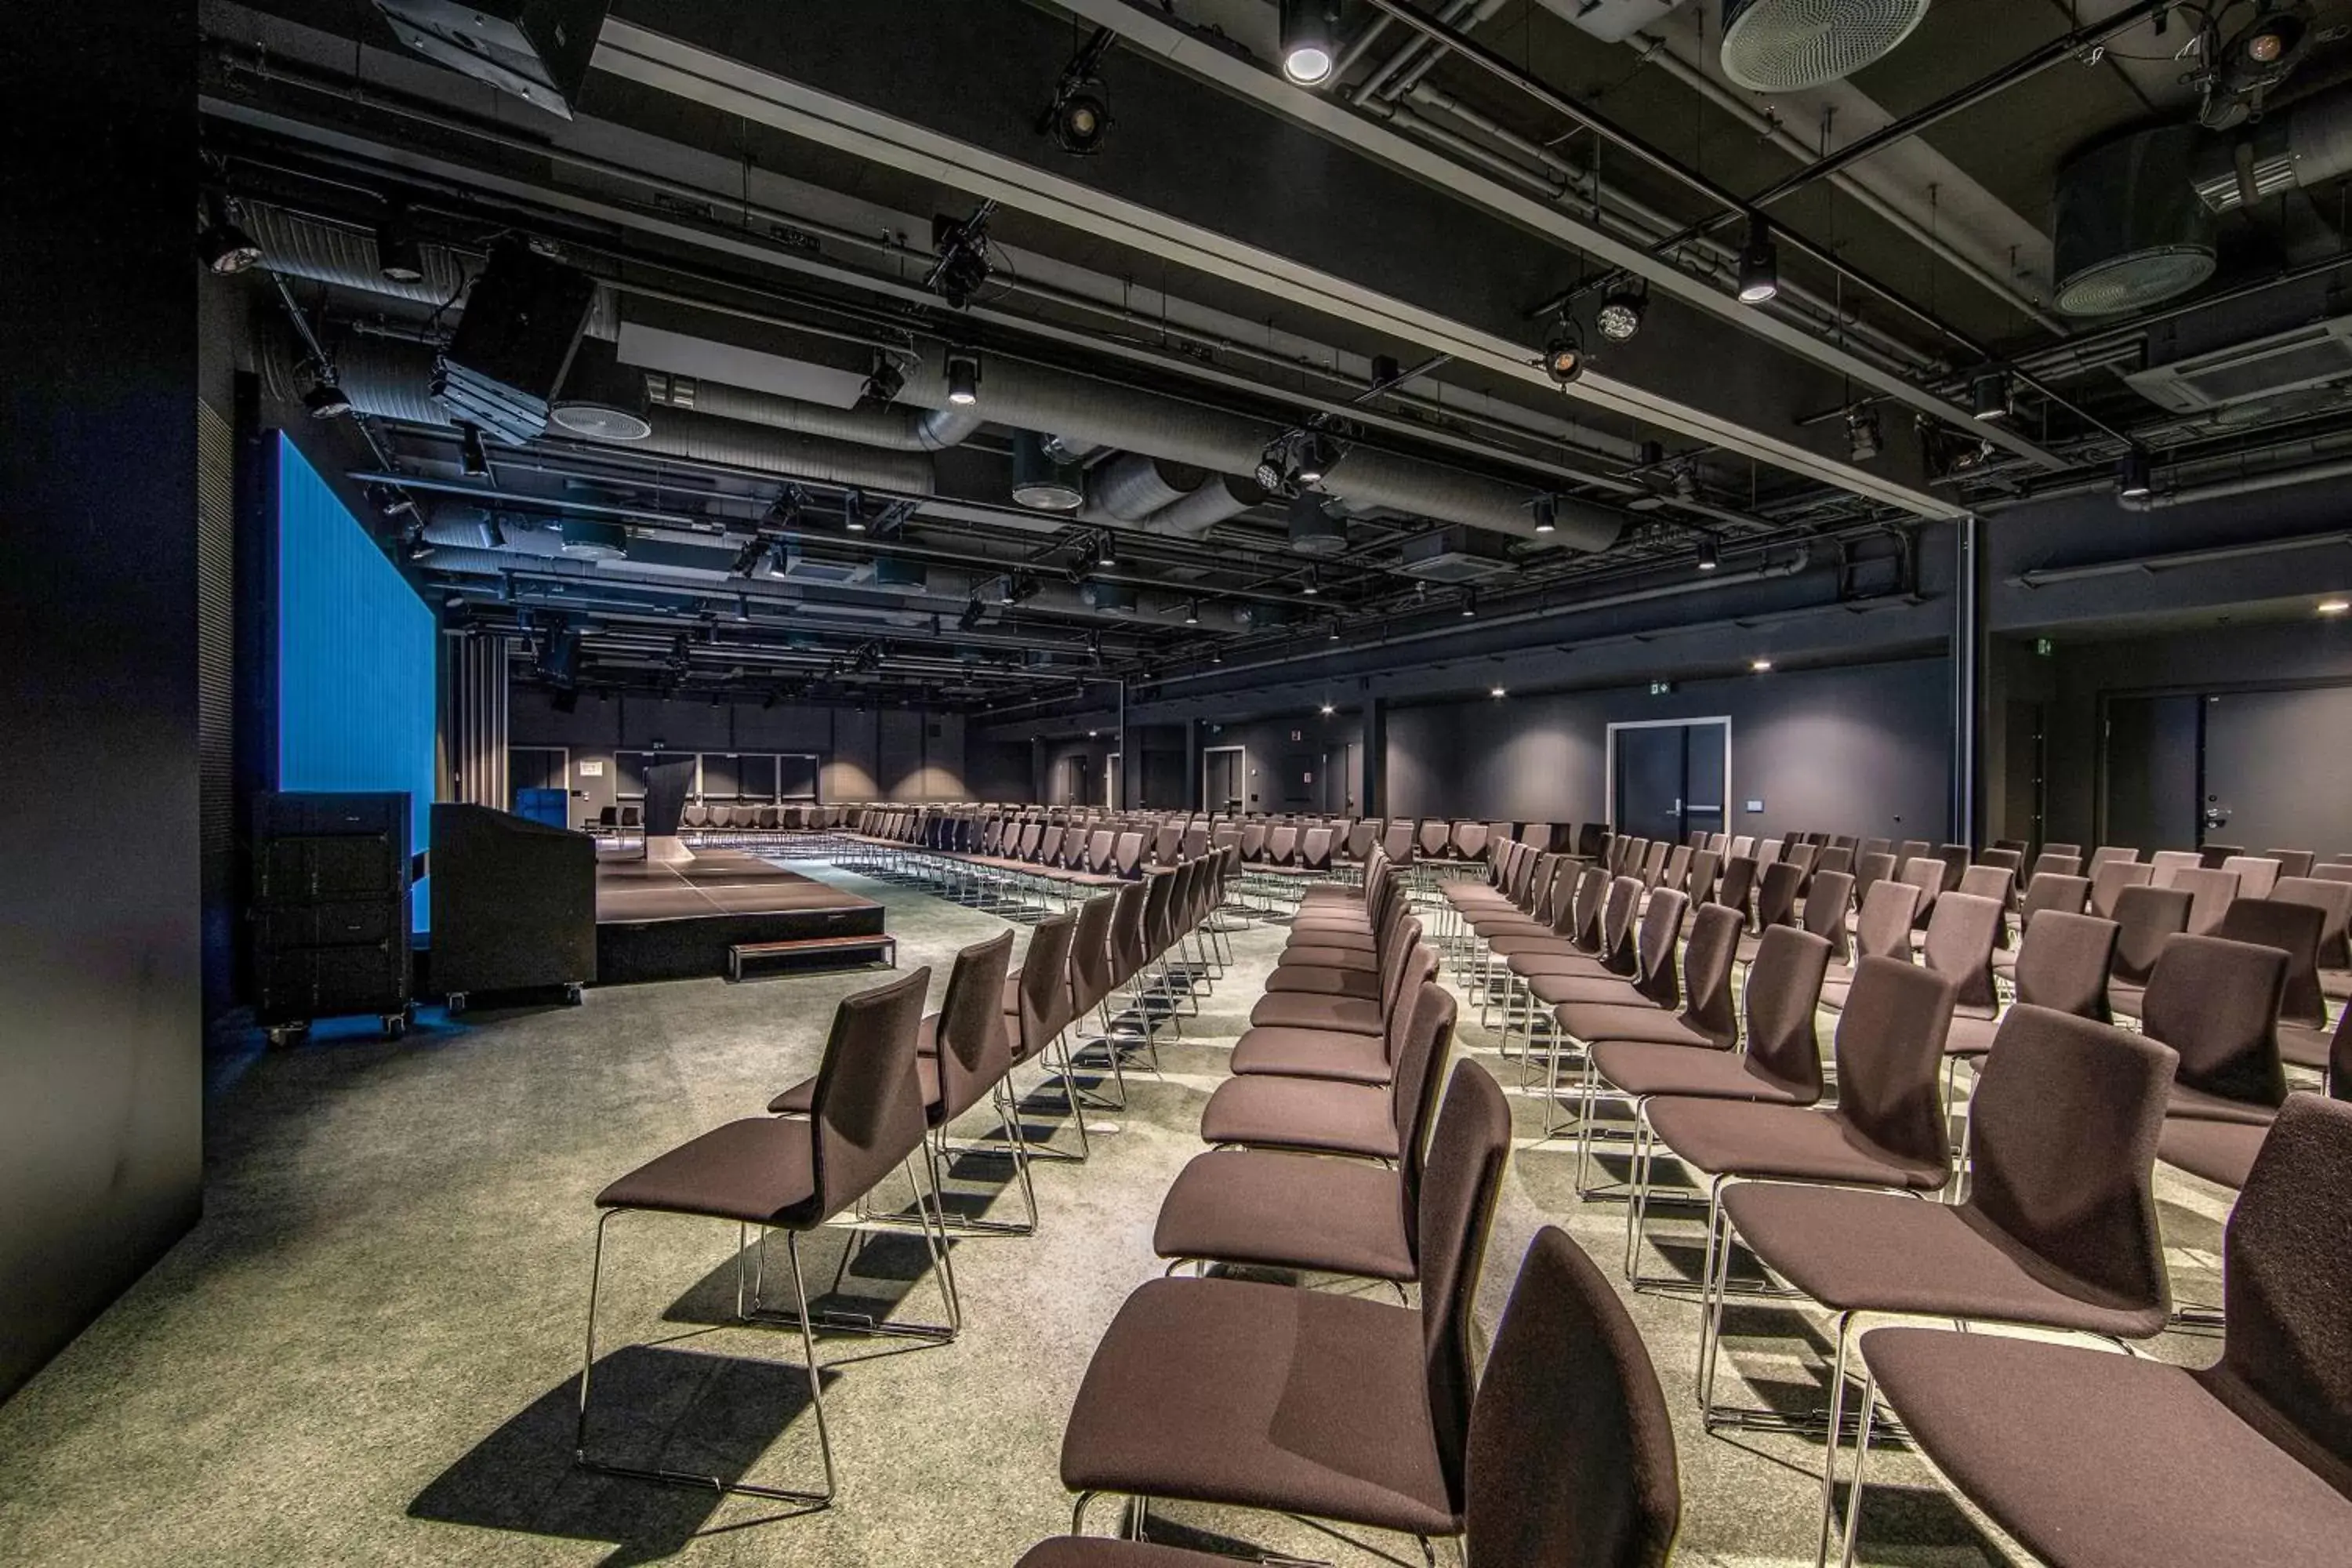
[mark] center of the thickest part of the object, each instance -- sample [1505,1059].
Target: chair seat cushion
[761,1170]
[1857,1251]
[1312,1053]
[1287,1211]
[1780,1141]
[1302,1010]
[1571,961]
[2304,1045]
[1323,937]
[2195,1103]
[2124,997]
[1970,1037]
[1567,990]
[1298,980]
[1647,1068]
[1265,1396]
[1508,922]
[1312,955]
[1330,1116]
[2221,1152]
[2100,1460]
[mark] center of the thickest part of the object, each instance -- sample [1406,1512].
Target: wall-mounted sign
[589,770]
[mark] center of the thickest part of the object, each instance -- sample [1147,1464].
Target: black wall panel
[101,1042]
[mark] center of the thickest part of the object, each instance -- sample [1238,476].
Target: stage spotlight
[1106,552]
[2333,606]
[1496,693]
[1709,557]
[473,461]
[1312,456]
[748,558]
[883,384]
[963,380]
[399,259]
[853,511]
[1469,603]
[1546,514]
[1564,353]
[2133,475]
[1314,584]
[1988,395]
[1861,434]
[325,400]
[961,245]
[1192,613]
[1080,121]
[1760,666]
[1310,40]
[1333,632]
[1619,315]
[972,610]
[1327,709]
[224,248]
[1760,264]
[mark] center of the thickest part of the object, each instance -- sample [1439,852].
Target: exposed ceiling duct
[1085,409]
[1133,485]
[2127,229]
[2298,147]
[1224,496]
[899,429]
[1787,46]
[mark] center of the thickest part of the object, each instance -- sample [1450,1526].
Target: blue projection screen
[356,649]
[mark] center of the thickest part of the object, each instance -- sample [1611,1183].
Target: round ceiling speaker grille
[2127,229]
[586,539]
[1786,45]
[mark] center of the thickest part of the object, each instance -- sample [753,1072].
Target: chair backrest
[1911,849]
[1890,1058]
[1871,867]
[1776,901]
[1677,874]
[1282,843]
[1744,844]
[1707,960]
[1925,873]
[2063,961]
[1044,989]
[2294,929]
[2293,862]
[2049,865]
[2062,1131]
[1883,928]
[2286,1273]
[1959,943]
[1464,1174]
[1617,951]
[2215,1002]
[1093,974]
[1873,846]
[1361,837]
[2108,854]
[1130,947]
[1435,835]
[2256,874]
[1827,903]
[1737,890]
[1954,857]
[1572,1456]
[1838,857]
[974,1051]
[1662,928]
[2166,864]
[2050,890]
[1784,992]
[1706,865]
[2333,899]
[2147,916]
[1654,863]
[2008,859]
[1472,839]
[1417,1052]
[1399,839]
[1587,906]
[866,1113]
[2209,892]
[2108,882]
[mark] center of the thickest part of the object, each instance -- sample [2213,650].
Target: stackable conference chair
[793,1175]
[1036,1005]
[2222,1149]
[2211,892]
[2059,1228]
[1776,903]
[2293,862]
[2148,916]
[2166,864]
[2296,929]
[1349,1053]
[1829,899]
[1333,1116]
[2047,890]
[2095,1460]
[1199,1388]
[1278,1208]
[2108,882]
[2062,965]
[1707,1022]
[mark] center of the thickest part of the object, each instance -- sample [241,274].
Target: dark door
[2275,766]
[2148,763]
[1077,786]
[1339,770]
[1670,781]
[2022,759]
[1299,772]
[1220,780]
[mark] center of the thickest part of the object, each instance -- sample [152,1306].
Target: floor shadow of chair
[688,1409]
[1919,1524]
[850,1274]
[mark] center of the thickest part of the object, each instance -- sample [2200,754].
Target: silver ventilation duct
[1084,409]
[1225,496]
[1132,486]
[2308,144]
[898,429]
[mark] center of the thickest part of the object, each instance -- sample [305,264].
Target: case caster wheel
[395,1024]
[285,1036]
[456,1003]
[575,993]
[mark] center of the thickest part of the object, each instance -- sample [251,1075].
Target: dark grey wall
[887,754]
[101,1053]
[1865,751]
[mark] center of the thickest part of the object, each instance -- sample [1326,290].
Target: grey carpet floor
[368,1350]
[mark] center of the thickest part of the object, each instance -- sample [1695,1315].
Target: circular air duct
[1041,483]
[1787,46]
[586,539]
[601,399]
[1113,598]
[2130,231]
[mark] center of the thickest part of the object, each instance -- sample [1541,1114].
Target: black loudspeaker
[536,50]
[513,345]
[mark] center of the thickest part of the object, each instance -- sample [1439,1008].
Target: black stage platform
[659,921]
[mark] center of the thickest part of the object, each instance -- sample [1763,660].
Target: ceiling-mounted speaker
[538,50]
[1113,598]
[1040,481]
[1787,46]
[1313,529]
[589,539]
[513,347]
[601,399]
[2129,231]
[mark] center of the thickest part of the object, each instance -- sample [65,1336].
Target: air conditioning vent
[1787,46]
[2318,356]
[2128,230]
[1612,21]
[801,567]
[1457,555]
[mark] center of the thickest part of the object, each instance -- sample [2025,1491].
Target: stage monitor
[356,652]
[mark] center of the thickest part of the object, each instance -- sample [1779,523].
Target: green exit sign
[2044,647]
[1661,687]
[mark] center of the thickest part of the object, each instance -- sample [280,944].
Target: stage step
[745,960]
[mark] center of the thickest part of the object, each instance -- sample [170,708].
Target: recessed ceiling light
[1496,691]
[1309,41]
[1327,711]
[1759,665]
[2334,606]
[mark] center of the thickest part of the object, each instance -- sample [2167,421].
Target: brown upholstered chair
[2335,899]
[1338,1116]
[2223,1149]
[2215,1003]
[2148,917]
[2296,929]
[1958,943]
[1036,1008]
[1570,1460]
[2047,890]
[1829,899]
[1882,930]
[1998,883]
[1284,1208]
[788,1174]
[1708,1020]
[2059,1228]
[1657,980]
[1365,1013]
[2109,881]
[1352,1055]
[1200,1388]
[2095,1460]
[1776,902]
[2063,964]
[1737,888]
[2211,892]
